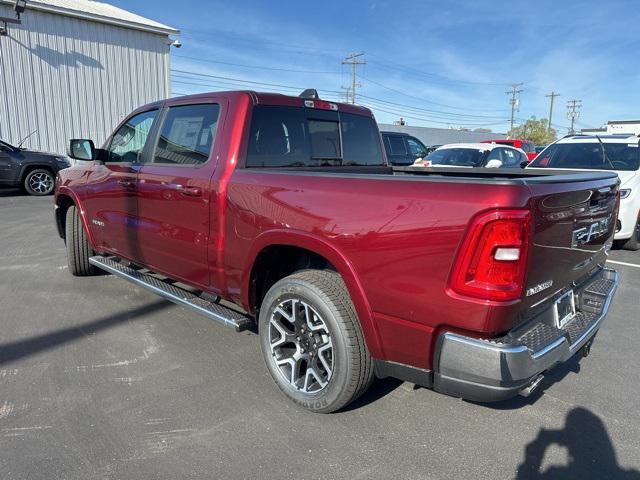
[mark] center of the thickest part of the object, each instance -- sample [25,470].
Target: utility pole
[515,90]
[353,61]
[552,96]
[573,112]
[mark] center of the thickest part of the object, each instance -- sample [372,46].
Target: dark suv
[403,149]
[34,171]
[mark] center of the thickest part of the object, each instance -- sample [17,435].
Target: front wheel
[78,249]
[39,182]
[312,341]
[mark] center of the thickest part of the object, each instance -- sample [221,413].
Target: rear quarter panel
[398,237]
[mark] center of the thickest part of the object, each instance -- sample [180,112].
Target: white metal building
[441,136]
[616,126]
[75,68]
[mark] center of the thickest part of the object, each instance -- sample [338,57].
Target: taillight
[492,261]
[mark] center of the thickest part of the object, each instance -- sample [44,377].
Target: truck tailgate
[572,230]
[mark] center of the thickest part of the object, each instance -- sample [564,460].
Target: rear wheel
[78,249]
[634,242]
[39,182]
[312,341]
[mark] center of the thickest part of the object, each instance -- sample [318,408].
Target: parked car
[525,145]
[33,171]
[475,155]
[280,213]
[402,148]
[618,153]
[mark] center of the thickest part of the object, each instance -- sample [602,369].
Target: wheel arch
[30,167]
[64,199]
[319,250]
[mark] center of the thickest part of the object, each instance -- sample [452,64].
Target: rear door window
[187,135]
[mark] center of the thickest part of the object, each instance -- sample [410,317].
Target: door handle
[127,183]
[189,191]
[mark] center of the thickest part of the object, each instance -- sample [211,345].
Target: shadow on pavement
[12,192]
[589,449]
[380,388]
[10,352]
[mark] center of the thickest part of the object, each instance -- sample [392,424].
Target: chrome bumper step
[180,296]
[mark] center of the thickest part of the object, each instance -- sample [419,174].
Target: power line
[415,117]
[219,77]
[354,62]
[573,112]
[514,101]
[255,66]
[187,77]
[429,111]
[444,79]
[417,98]
[552,96]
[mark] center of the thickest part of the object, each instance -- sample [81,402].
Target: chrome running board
[181,296]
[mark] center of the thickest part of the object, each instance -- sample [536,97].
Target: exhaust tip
[528,390]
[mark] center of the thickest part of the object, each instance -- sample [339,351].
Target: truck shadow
[13,351]
[590,452]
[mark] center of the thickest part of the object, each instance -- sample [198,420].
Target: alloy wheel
[301,346]
[41,182]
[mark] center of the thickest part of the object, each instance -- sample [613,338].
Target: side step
[215,311]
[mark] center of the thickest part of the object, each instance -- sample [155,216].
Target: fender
[321,246]
[63,190]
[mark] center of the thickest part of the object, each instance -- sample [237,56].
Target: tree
[534,130]
[482,130]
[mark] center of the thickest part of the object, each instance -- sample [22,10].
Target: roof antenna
[310,93]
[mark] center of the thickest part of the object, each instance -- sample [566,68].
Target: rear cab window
[283,136]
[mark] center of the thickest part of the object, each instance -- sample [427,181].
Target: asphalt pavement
[102,380]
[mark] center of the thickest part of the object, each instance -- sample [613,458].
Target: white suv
[619,153]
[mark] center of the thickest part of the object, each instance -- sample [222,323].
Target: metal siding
[72,78]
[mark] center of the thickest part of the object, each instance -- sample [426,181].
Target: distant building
[441,136]
[75,68]
[615,126]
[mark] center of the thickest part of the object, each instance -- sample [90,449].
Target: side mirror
[82,149]
[524,163]
[495,163]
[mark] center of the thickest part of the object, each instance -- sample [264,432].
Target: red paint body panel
[393,238]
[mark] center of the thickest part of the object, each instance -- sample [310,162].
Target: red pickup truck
[280,214]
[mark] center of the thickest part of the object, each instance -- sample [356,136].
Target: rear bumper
[497,369]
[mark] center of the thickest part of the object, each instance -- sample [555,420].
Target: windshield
[458,157]
[620,156]
[6,145]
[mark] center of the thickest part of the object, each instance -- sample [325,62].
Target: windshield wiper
[604,153]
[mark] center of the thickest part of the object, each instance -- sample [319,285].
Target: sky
[442,64]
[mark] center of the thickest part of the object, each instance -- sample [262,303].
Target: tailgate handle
[189,191]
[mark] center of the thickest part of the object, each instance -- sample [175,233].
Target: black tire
[39,182]
[633,243]
[78,249]
[352,367]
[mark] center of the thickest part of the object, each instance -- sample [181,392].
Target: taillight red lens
[491,263]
